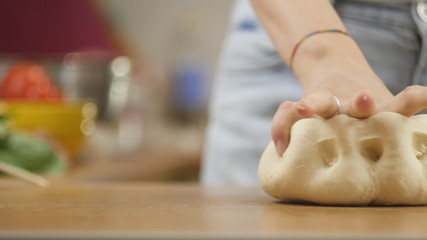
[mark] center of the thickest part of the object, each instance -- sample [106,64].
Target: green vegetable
[26,152]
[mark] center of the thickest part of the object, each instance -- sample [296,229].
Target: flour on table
[379,160]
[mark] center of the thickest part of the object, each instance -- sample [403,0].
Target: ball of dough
[381,160]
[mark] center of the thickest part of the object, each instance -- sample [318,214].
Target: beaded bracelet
[309,35]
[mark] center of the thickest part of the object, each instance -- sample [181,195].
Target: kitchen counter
[138,210]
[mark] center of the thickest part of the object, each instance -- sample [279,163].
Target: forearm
[321,59]
[287,21]
[333,72]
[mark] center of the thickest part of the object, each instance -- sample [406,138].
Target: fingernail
[365,98]
[280,147]
[301,107]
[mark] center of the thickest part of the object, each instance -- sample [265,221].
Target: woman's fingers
[326,105]
[286,115]
[408,102]
[362,105]
[323,104]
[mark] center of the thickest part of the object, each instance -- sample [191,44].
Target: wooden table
[102,210]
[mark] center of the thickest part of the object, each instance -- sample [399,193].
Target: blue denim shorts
[252,80]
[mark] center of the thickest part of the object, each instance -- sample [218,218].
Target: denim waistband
[387,14]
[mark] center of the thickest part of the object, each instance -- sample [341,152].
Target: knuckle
[412,95]
[412,91]
[286,105]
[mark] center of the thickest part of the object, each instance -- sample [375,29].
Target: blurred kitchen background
[140,72]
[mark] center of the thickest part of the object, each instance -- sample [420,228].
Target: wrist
[333,62]
[326,53]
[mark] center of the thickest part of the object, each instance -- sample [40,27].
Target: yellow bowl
[66,122]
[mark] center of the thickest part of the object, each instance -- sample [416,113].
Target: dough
[380,160]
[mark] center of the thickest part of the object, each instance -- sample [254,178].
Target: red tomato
[28,80]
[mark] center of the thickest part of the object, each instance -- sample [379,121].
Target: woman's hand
[361,105]
[328,66]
